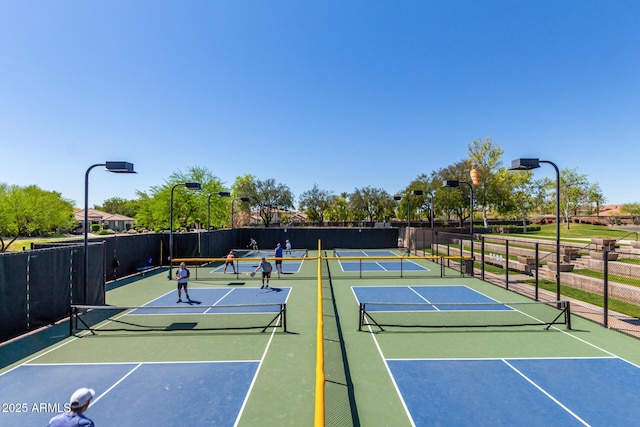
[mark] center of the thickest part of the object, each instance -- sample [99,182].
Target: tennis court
[145,393]
[245,262]
[373,262]
[461,352]
[428,349]
[153,361]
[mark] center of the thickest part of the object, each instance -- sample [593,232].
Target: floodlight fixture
[524,164]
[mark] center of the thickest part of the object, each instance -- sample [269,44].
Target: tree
[315,202]
[595,196]
[371,202]
[265,196]
[521,195]
[190,208]
[485,157]
[573,190]
[31,211]
[119,206]
[454,201]
[631,208]
[339,209]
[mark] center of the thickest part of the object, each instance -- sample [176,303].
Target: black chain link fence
[601,277]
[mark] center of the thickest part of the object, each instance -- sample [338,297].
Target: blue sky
[342,94]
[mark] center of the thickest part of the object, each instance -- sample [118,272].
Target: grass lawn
[26,242]
[591,298]
[579,231]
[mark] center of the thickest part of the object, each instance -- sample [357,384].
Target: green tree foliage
[419,203]
[485,156]
[631,208]
[339,209]
[190,208]
[455,201]
[521,194]
[119,206]
[265,196]
[371,203]
[315,202]
[573,190]
[595,197]
[31,211]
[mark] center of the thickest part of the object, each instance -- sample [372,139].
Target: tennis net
[177,318]
[269,253]
[381,315]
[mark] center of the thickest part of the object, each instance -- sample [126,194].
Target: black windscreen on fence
[38,286]
[49,286]
[13,295]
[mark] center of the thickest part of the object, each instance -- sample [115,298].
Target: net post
[441,266]
[70,320]
[361,317]
[568,314]
[283,310]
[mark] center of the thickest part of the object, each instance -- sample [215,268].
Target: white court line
[255,377]
[393,380]
[533,383]
[116,383]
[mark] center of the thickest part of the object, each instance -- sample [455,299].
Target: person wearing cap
[78,403]
[266,271]
[287,247]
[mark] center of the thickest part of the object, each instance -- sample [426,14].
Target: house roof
[96,215]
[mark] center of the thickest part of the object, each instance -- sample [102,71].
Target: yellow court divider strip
[319,398]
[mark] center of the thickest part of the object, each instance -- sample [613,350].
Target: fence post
[537,268]
[506,262]
[482,257]
[605,291]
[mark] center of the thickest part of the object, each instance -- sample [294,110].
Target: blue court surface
[234,300]
[149,394]
[362,253]
[429,298]
[509,392]
[246,267]
[363,265]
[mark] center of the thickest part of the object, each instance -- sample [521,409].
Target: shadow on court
[25,346]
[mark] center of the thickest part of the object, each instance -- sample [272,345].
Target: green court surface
[281,393]
[373,377]
[380,400]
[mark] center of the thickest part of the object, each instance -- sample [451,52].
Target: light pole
[115,167]
[528,164]
[190,186]
[242,199]
[415,193]
[219,193]
[451,184]
[397,199]
[431,218]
